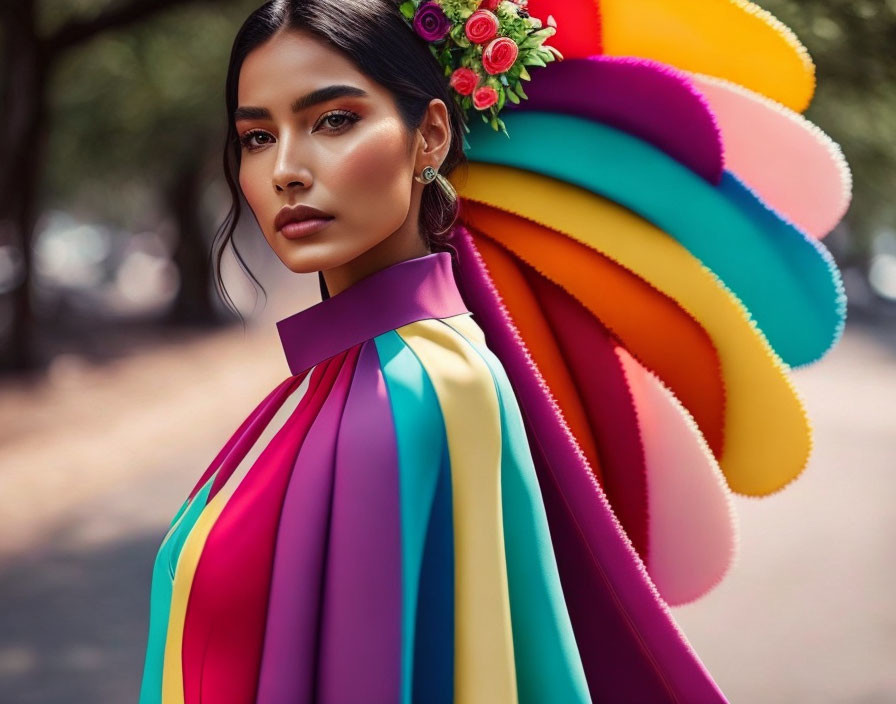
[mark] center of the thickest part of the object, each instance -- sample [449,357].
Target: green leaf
[408,9]
[555,51]
[512,97]
[533,60]
[524,74]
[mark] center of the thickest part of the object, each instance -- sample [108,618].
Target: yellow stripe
[767,433]
[172,674]
[484,669]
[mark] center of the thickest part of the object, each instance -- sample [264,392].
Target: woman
[400,519]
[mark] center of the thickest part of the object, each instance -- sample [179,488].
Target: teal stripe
[548,664]
[421,443]
[786,279]
[161,590]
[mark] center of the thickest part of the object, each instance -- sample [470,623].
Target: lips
[297,213]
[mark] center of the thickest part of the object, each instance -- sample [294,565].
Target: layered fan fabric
[648,247]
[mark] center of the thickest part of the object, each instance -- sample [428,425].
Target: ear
[435,132]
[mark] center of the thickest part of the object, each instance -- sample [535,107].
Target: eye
[245,139]
[344,120]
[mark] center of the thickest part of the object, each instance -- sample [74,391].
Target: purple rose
[430,22]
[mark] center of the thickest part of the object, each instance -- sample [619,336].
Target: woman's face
[349,156]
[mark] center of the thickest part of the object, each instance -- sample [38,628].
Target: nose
[288,172]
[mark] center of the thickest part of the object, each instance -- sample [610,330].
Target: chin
[303,256]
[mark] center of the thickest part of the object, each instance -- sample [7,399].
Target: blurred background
[121,374]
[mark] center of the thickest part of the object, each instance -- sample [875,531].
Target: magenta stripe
[360,641]
[290,644]
[649,99]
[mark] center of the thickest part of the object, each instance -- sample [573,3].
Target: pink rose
[481,26]
[499,55]
[463,80]
[484,97]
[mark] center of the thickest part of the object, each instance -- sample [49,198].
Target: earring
[446,187]
[429,175]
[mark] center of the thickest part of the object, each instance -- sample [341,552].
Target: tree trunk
[23,130]
[193,304]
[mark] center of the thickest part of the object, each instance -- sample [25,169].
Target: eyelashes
[350,118]
[346,119]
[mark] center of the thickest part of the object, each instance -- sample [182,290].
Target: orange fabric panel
[653,327]
[536,333]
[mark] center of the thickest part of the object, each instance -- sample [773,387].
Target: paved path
[93,466]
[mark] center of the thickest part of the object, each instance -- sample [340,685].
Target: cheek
[251,184]
[258,194]
[373,179]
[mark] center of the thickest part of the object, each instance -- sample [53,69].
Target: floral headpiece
[484,47]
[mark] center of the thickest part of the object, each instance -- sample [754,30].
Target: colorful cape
[375,531]
[489,483]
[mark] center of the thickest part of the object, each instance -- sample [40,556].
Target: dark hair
[373,35]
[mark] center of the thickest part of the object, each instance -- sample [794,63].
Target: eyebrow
[321,95]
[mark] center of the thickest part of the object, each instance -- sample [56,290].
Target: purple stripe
[290,643]
[631,648]
[360,640]
[401,293]
[652,100]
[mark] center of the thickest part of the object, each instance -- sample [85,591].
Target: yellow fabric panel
[732,39]
[173,674]
[767,432]
[484,668]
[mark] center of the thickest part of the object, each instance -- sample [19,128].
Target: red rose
[489,4]
[481,26]
[463,80]
[484,97]
[499,55]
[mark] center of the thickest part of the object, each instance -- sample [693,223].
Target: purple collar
[401,293]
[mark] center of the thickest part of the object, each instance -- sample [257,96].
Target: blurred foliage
[131,105]
[853,45]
